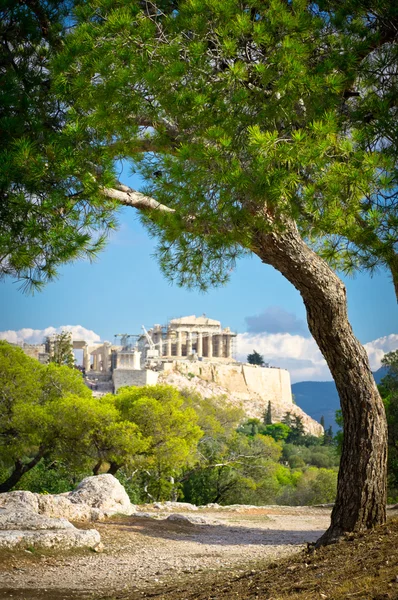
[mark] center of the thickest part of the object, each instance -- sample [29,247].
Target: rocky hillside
[244,385]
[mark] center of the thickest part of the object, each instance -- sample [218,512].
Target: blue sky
[125,289]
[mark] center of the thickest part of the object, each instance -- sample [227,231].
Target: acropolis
[190,351]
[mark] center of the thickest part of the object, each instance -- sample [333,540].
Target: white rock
[174,505]
[21,499]
[57,538]
[188,519]
[19,518]
[104,492]
[94,499]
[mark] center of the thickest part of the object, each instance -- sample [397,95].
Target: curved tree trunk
[113,468]
[361,491]
[20,469]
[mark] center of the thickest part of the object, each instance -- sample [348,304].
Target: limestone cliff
[248,386]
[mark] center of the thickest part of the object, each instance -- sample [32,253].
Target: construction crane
[152,355]
[124,339]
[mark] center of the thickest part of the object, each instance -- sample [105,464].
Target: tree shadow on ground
[217,534]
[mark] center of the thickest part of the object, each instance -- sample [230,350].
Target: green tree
[322,421]
[297,432]
[169,428]
[287,419]
[60,349]
[268,415]
[243,116]
[278,431]
[29,393]
[90,433]
[236,469]
[389,391]
[255,359]
[328,436]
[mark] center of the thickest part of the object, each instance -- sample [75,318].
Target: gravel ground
[140,552]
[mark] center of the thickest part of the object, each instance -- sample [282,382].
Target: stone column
[168,350]
[229,347]
[86,358]
[105,355]
[179,344]
[160,344]
[189,343]
[136,360]
[220,348]
[199,348]
[95,362]
[210,345]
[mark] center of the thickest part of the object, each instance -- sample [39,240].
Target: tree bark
[361,490]
[96,468]
[113,468]
[20,469]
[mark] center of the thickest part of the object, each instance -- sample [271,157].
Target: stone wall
[127,377]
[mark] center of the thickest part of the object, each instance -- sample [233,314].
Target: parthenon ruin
[192,336]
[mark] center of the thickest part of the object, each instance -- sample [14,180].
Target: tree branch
[129,197]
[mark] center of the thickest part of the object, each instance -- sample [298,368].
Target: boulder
[41,520]
[94,499]
[57,538]
[19,518]
[23,528]
[21,499]
[104,492]
[185,519]
[191,520]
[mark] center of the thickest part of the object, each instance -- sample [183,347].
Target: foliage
[60,349]
[389,391]
[268,415]
[169,428]
[278,431]
[255,359]
[318,456]
[313,486]
[253,111]
[29,393]
[158,441]
[236,470]
[48,412]
[51,477]
[51,210]
[301,124]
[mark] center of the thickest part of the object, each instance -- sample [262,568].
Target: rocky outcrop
[20,527]
[94,499]
[28,519]
[247,386]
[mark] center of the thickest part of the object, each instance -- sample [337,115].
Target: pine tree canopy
[237,115]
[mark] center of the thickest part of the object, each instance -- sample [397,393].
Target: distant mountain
[318,398]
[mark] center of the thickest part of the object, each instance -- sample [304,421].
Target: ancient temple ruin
[193,337]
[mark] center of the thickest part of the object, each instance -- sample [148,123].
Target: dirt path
[142,552]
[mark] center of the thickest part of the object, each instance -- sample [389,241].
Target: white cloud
[301,356]
[36,336]
[378,348]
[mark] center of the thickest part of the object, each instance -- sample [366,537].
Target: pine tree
[268,415]
[255,359]
[260,146]
[287,419]
[328,437]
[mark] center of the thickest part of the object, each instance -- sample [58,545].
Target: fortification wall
[242,380]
